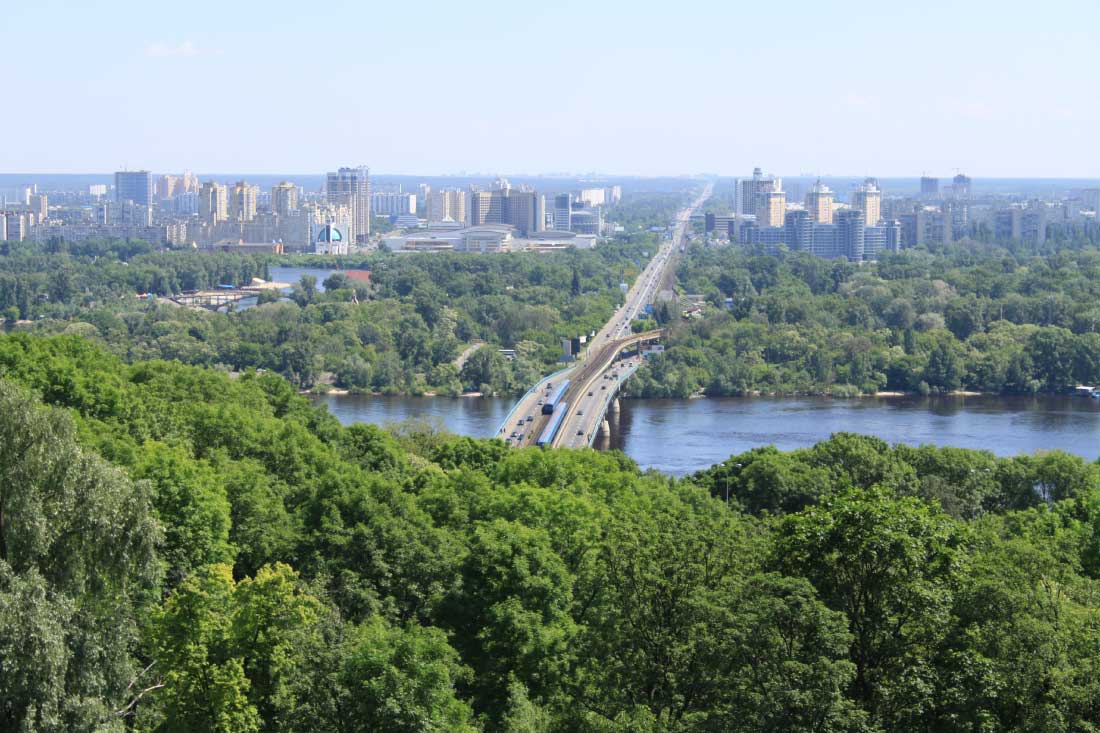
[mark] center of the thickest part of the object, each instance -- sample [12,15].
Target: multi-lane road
[590,395]
[526,422]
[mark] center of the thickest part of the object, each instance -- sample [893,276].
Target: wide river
[681,436]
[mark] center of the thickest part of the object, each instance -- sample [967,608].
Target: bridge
[527,421]
[576,414]
[217,297]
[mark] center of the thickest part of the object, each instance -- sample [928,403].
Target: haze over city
[623,88]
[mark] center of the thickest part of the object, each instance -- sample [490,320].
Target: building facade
[868,199]
[136,186]
[819,202]
[350,187]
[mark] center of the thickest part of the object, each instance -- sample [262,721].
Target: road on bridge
[586,410]
[526,422]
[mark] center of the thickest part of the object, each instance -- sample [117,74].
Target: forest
[971,316]
[184,550]
[399,332]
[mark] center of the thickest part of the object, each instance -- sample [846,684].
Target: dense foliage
[183,551]
[400,332]
[972,317]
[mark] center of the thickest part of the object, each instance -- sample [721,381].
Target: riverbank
[341,392]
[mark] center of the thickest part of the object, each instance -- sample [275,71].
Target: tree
[192,506]
[401,679]
[203,678]
[77,566]
[231,656]
[510,615]
[889,564]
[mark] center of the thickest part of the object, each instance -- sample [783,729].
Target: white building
[393,204]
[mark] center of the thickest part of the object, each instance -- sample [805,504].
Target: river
[681,436]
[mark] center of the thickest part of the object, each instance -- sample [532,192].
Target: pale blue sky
[886,88]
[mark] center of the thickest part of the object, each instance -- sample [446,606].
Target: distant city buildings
[135,186]
[242,201]
[524,210]
[960,186]
[819,203]
[284,199]
[750,190]
[868,199]
[771,207]
[393,204]
[447,205]
[563,212]
[213,202]
[350,188]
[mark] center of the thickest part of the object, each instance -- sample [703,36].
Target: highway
[590,393]
[526,422]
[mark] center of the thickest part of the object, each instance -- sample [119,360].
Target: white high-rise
[350,187]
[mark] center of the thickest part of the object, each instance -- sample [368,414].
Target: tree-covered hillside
[182,551]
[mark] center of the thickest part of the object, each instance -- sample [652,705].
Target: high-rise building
[929,186]
[213,202]
[186,203]
[393,204]
[167,186]
[284,198]
[480,208]
[885,237]
[525,210]
[868,199]
[447,205]
[771,207]
[819,202]
[40,205]
[350,187]
[800,230]
[850,226]
[97,189]
[242,201]
[960,186]
[136,186]
[190,182]
[749,190]
[592,196]
[15,226]
[563,212]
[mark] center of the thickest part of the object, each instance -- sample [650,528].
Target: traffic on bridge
[566,408]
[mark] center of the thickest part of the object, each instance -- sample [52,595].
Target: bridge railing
[611,394]
[538,385]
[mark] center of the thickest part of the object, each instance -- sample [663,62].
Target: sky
[994,89]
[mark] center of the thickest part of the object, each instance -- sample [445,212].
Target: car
[580,413]
[580,432]
[520,423]
[590,394]
[604,387]
[520,438]
[530,418]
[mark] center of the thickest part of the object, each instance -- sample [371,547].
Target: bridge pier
[613,408]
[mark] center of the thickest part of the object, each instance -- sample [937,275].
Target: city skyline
[901,92]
